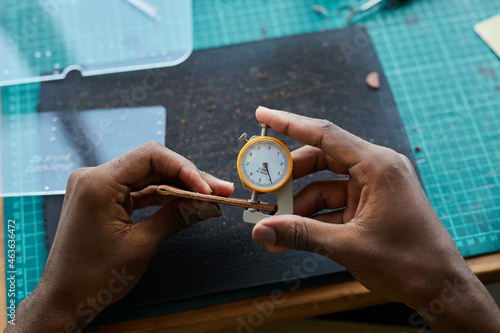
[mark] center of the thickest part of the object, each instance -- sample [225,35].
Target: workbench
[446,85]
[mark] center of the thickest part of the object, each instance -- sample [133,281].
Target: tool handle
[177,192]
[387,3]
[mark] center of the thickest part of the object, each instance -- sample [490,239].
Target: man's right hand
[388,236]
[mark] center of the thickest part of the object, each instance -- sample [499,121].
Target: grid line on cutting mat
[444,79]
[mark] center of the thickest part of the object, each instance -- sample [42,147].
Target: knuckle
[406,161]
[320,161]
[296,236]
[389,166]
[181,216]
[314,192]
[384,160]
[395,163]
[326,126]
[84,182]
[81,177]
[152,145]
[177,220]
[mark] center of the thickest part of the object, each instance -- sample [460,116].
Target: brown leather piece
[174,191]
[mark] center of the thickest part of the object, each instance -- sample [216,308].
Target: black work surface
[210,100]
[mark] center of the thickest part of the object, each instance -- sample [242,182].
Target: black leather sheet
[210,100]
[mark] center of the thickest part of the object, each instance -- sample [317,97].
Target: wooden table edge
[268,309]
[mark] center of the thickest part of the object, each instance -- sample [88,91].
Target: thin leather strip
[174,191]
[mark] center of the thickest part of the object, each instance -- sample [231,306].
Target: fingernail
[264,234]
[263,107]
[209,189]
[209,212]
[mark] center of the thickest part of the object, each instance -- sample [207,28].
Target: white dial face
[265,164]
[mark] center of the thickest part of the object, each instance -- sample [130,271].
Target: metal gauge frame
[283,190]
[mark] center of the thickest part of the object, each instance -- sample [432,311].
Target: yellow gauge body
[264,164]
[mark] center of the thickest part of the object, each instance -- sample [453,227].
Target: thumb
[176,216]
[300,233]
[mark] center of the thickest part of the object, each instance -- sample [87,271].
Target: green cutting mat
[445,80]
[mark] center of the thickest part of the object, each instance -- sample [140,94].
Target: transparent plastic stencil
[43,40]
[40,150]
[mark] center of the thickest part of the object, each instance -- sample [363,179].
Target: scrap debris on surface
[373,80]
[321,10]
[261,76]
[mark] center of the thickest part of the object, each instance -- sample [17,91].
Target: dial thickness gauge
[264,164]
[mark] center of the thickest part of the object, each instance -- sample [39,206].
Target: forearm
[39,312]
[461,304]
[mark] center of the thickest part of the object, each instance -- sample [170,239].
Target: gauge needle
[264,164]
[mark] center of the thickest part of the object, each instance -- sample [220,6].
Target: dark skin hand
[388,236]
[99,254]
